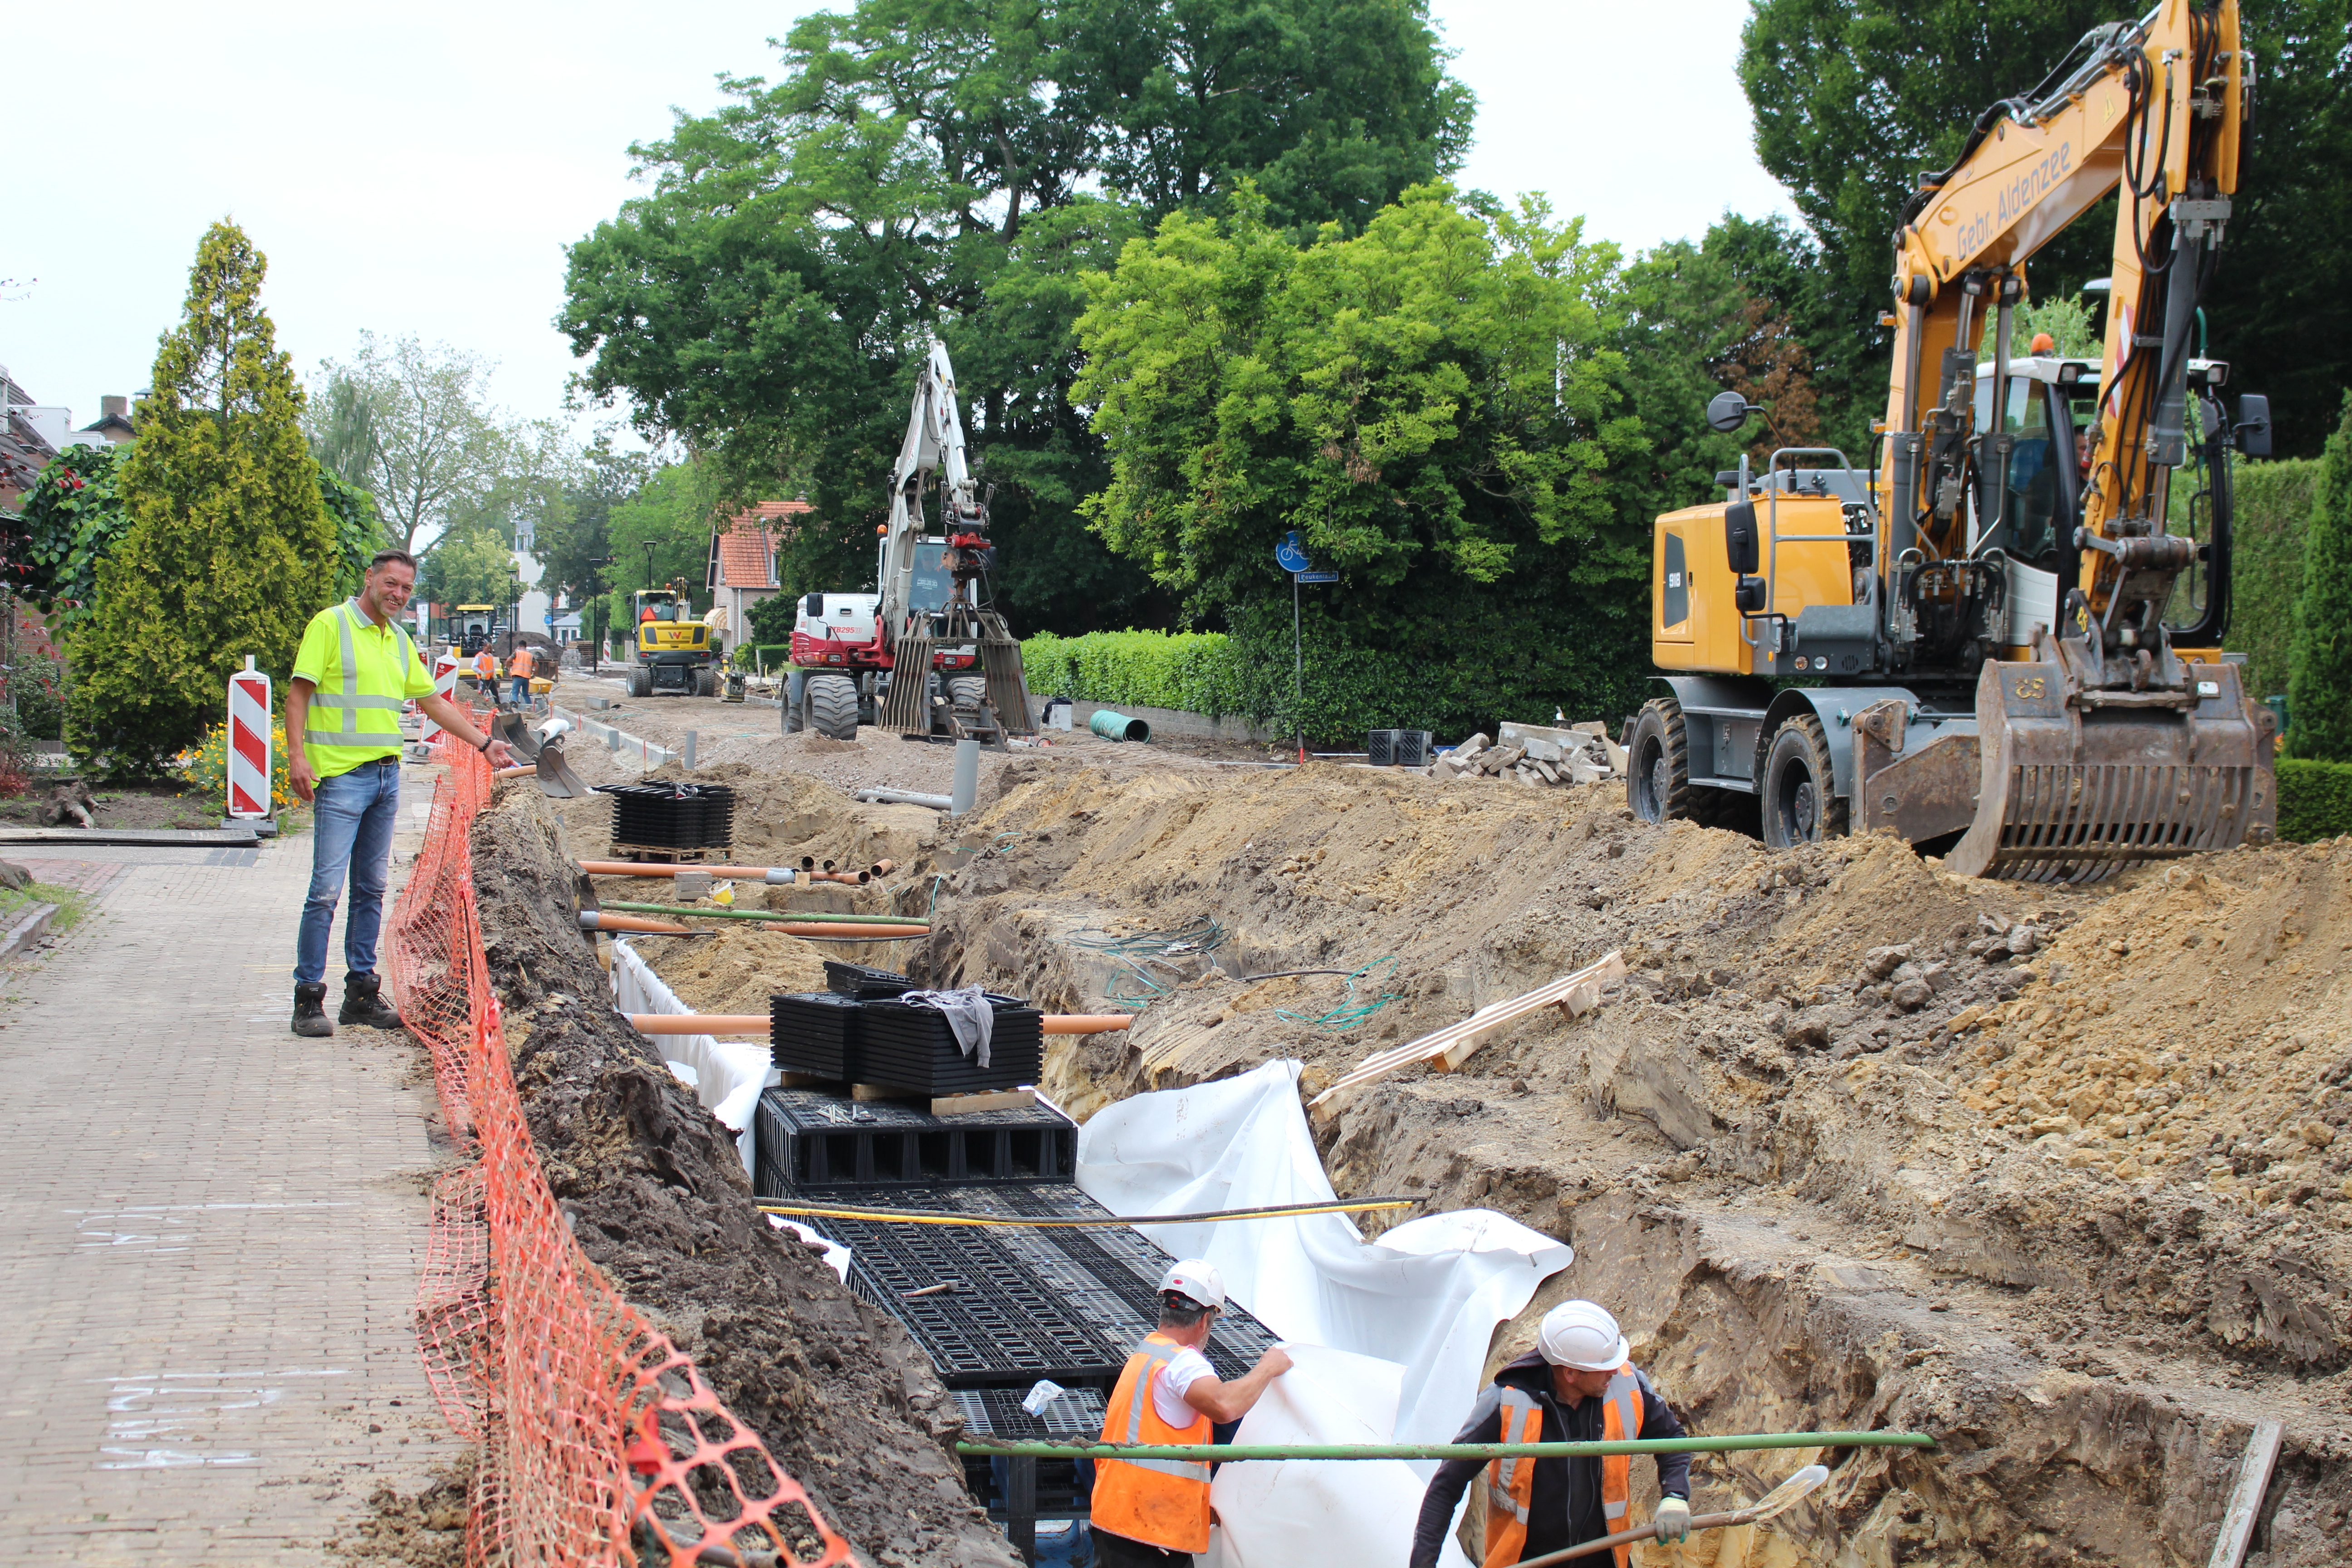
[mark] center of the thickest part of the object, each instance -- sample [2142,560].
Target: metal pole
[1298,671]
[1230,1452]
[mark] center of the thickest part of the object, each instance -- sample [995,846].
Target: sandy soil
[2058,1174]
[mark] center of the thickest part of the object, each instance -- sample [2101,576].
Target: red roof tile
[746,549]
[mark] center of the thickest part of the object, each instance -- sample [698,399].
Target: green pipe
[1233,1451]
[766,915]
[1113,726]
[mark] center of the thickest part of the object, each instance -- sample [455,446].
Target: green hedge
[1348,689]
[2273,512]
[2314,800]
[1193,671]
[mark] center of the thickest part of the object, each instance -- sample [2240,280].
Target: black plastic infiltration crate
[672,816]
[814,1032]
[1398,748]
[912,1047]
[858,980]
[1063,1489]
[810,1142]
[1067,1305]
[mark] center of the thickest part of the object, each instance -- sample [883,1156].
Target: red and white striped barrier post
[444,684]
[248,743]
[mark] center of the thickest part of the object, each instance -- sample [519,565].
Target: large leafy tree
[930,166]
[1853,99]
[471,566]
[1434,405]
[229,549]
[414,425]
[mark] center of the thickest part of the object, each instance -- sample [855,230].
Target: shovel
[540,745]
[1780,1498]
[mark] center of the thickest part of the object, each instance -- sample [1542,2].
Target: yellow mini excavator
[2003,638]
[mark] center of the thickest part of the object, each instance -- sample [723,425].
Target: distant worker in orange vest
[1575,1386]
[520,667]
[486,672]
[1154,1513]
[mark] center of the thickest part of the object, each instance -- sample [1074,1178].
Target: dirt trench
[2060,1175]
[656,1193]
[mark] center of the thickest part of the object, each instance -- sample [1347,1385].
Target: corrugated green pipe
[1113,726]
[1234,1451]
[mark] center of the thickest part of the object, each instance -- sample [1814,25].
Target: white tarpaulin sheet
[1425,1296]
[727,1075]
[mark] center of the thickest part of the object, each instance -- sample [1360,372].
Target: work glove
[1674,1518]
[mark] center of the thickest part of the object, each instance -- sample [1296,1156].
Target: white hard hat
[1582,1334]
[1195,1278]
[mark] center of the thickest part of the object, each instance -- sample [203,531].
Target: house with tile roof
[742,569]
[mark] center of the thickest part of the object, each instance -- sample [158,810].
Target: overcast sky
[418,168]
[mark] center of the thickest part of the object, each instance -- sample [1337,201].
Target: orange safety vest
[1511,1482]
[486,666]
[520,663]
[1161,1503]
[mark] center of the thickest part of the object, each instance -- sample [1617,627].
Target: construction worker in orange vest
[1155,1513]
[1575,1386]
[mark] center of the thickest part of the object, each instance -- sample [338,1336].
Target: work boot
[363,1003]
[311,1011]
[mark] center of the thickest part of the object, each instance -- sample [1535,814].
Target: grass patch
[17,903]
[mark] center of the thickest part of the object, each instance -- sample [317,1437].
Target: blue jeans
[521,695]
[353,814]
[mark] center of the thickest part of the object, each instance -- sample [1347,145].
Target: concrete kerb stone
[613,738]
[28,929]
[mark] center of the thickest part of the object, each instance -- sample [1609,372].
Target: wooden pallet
[711,853]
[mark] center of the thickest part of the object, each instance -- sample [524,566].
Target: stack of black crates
[1027,1303]
[678,819]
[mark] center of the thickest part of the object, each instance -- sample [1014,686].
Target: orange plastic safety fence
[600,1442]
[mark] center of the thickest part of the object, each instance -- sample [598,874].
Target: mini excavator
[2002,641]
[923,654]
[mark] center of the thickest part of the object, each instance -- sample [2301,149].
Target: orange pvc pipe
[600,919]
[812,928]
[664,868]
[1085,1023]
[699,1023]
[524,772]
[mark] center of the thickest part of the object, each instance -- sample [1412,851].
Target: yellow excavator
[2001,640]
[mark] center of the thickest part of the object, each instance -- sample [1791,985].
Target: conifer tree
[229,549]
[2319,674]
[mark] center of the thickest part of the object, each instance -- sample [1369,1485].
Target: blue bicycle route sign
[1291,554]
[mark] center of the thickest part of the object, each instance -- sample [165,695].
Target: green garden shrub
[2319,685]
[2314,800]
[2274,510]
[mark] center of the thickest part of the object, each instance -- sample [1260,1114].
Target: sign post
[1292,557]
[249,747]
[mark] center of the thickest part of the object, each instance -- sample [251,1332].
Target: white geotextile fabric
[726,1075]
[1425,1296]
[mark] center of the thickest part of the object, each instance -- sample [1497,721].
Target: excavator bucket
[906,706]
[1008,692]
[2080,780]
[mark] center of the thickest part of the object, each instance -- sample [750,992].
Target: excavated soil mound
[2055,1174]
[656,1193]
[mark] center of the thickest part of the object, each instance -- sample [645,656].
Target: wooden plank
[883,1091]
[1448,1048]
[807,1081]
[2246,1501]
[998,1100]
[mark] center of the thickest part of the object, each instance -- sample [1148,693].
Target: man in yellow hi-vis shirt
[356,667]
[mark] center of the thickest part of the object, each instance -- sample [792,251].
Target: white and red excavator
[923,653]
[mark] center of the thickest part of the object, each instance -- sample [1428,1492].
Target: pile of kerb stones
[1536,756]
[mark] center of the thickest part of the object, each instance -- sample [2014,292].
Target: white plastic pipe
[907,798]
[967,777]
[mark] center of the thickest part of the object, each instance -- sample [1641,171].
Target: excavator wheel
[641,681]
[967,690]
[1800,803]
[1657,777]
[706,682]
[833,705]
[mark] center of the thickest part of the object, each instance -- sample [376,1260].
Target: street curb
[27,931]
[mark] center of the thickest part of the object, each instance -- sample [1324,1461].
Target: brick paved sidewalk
[210,1230]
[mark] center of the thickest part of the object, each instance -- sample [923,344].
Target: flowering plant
[205,764]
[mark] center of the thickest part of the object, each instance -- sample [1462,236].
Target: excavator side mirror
[2252,431]
[813,607]
[1749,595]
[1728,411]
[1739,537]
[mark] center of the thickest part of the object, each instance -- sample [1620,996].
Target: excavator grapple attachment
[2081,780]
